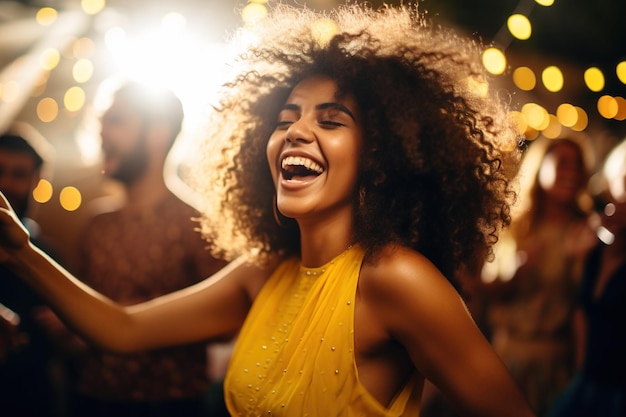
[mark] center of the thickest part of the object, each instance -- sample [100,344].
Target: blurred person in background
[31,367]
[144,248]
[530,288]
[358,175]
[599,388]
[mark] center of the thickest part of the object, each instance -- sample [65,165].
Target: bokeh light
[621,109]
[74,99]
[83,48]
[519,26]
[92,7]
[47,109]
[594,79]
[524,78]
[582,120]
[554,128]
[43,191]
[70,198]
[518,120]
[607,106]
[82,70]
[567,115]
[552,78]
[253,12]
[50,58]
[323,30]
[46,16]
[620,71]
[536,116]
[494,61]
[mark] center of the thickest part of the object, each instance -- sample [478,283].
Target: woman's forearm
[95,317]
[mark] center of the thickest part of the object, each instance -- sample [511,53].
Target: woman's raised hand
[13,234]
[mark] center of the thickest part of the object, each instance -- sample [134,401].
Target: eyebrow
[323,106]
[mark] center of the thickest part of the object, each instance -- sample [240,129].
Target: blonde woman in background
[531,286]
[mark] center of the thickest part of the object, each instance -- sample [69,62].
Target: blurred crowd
[551,301]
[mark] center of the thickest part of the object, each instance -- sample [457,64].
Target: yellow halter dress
[294,356]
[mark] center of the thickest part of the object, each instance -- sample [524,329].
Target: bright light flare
[519,26]
[494,61]
[168,56]
[165,54]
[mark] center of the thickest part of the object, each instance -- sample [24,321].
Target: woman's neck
[321,241]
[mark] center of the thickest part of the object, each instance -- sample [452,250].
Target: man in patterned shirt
[145,248]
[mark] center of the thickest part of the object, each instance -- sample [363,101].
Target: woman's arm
[420,309]
[212,308]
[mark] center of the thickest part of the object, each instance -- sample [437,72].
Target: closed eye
[331,123]
[283,124]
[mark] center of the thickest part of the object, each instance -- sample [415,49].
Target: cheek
[272,150]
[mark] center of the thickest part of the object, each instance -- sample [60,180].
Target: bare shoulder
[397,272]
[410,297]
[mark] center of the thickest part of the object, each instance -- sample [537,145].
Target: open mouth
[298,167]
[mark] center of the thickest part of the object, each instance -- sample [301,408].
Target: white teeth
[301,161]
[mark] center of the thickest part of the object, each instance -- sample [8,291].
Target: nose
[299,132]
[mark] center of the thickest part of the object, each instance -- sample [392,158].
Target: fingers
[13,234]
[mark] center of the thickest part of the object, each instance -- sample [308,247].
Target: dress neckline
[319,270]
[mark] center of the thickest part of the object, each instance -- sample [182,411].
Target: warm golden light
[46,16]
[582,120]
[531,134]
[50,58]
[594,79]
[607,107]
[70,198]
[43,192]
[174,21]
[323,31]
[554,128]
[83,48]
[253,12]
[567,114]
[47,110]
[519,26]
[552,78]
[92,7]
[536,116]
[621,109]
[477,86]
[82,70]
[494,61]
[524,78]
[620,70]
[546,3]
[74,99]
[518,120]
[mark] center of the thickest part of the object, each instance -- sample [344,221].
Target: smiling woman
[388,176]
[426,134]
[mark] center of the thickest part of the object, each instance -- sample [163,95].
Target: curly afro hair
[437,155]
